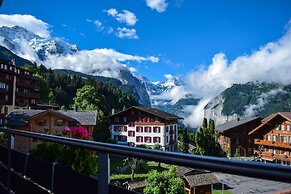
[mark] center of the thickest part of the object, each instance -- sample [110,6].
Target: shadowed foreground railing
[244,168]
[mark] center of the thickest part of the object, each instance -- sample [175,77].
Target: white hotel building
[142,125]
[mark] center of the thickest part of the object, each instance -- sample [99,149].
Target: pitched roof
[21,117]
[286,115]
[153,111]
[235,123]
[88,117]
[197,177]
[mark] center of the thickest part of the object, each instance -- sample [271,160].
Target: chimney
[113,111]
[13,62]
[75,108]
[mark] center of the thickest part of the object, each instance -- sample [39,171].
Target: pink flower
[79,132]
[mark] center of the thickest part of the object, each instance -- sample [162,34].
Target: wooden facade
[50,122]
[18,89]
[274,138]
[234,138]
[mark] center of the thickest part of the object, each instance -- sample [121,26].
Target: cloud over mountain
[269,63]
[29,22]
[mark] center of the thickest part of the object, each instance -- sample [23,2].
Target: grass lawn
[220,192]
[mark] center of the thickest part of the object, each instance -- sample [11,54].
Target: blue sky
[184,36]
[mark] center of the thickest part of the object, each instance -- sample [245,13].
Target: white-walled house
[142,125]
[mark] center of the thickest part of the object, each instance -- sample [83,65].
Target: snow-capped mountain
[48,50]
[14,37]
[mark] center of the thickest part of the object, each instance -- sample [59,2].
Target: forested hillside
[62,89]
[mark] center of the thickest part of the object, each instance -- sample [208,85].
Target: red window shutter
[125,138]
[159,139]
[136,128]
[133,133]
[125,128]
[136,139]
[159,129]
[128,134]
[145,139]
[141,129]
[144,119]
[152,120]
[150,129]
[150,139]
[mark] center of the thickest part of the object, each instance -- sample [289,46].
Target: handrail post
[10,146]
[103,173]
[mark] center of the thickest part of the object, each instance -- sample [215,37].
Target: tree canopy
[206,140]
[165,182]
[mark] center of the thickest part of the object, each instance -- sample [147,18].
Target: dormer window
[59,122]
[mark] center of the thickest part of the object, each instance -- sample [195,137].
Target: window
[283,139]
[131,133]
[139,139]
[156,129]
[282,127]
[277,127]
[274,138]
[147,139]
[289,139]
[122,138]
[167,129]
[125,128]
[124,119]
[156,139]
[118,128]
[157,119]
[139,129]
[269,137]
[59,122]
[32,101]
[40,123]
[147,129]
[2,85]
[288,127]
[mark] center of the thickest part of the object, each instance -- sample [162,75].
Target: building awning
[268,158]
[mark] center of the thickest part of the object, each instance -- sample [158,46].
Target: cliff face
[247,100]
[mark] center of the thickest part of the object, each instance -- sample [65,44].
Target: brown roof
[197,177]
[286,115]
[235,123]
[153,111]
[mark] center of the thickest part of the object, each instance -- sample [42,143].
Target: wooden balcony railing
[273,143]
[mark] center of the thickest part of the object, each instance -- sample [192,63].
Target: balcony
[273,143]
[25,174]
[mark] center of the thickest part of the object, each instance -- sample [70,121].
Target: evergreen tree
[185,141]
[206,140]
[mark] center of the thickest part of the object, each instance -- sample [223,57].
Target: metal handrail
[251,169]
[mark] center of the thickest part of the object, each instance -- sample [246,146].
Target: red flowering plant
[78,159]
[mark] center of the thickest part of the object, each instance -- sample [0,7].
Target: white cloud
[252,109]
[126,17]
[126,33]
[29,22]
[98,25]
[196,113]
[158,5]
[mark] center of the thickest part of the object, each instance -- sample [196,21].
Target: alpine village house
[142,125]
[274,138]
